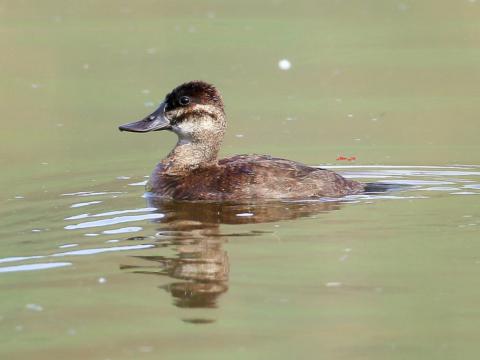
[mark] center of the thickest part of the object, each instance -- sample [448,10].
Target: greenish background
[390,82]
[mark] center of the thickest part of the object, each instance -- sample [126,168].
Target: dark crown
[199,91]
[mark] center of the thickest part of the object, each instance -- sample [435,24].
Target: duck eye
[184,100]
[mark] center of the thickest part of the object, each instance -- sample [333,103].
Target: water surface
[90,269]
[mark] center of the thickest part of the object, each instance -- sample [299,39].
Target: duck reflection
[192,230]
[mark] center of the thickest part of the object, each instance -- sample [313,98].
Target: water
[120,276]
[91,269]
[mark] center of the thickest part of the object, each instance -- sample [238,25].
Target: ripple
[467,167]
[441,188]
[123,230]
[391,197]
[103,250]
[91,193]
[20,258]
[114,221]
[141,183]
[365,176]
[472,186]
[85,204]
[420,182]
[76,217]
[33,267]
[110,213]
[119,212]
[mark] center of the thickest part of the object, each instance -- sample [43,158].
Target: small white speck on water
[333,284]
[149,104]
[72,332]
[151,51]
[350,115]
[36,230]
[338,100]
[347,249]
[102,280]
[244,214]
[86,66]
[91,234]
[123,177]
[343,257]
[59,125]
[44,163]
[239,135]
[284,64]
[112,241]
[34,307]
[19,197]
[145,349]
[19,328]
[145,91]
[35,86]
[374,119]
[357,139]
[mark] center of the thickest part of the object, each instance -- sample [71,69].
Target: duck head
[193,110]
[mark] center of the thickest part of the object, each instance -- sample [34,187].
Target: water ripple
[103,250]
[113,221]
[32,267]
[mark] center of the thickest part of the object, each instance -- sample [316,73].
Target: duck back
[251,177]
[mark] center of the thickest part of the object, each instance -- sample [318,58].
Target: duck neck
[188,155]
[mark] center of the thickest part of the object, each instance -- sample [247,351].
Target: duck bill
[156,121]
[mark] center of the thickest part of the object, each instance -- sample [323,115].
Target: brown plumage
[194,111]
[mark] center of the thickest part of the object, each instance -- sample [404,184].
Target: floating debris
[284,64]
[34,307]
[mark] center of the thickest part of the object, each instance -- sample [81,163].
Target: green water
[89,269]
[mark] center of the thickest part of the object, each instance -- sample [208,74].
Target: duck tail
[379,187]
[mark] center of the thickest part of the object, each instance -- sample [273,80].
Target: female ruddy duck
[191,171]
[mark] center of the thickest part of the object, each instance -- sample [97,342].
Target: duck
[192,171]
